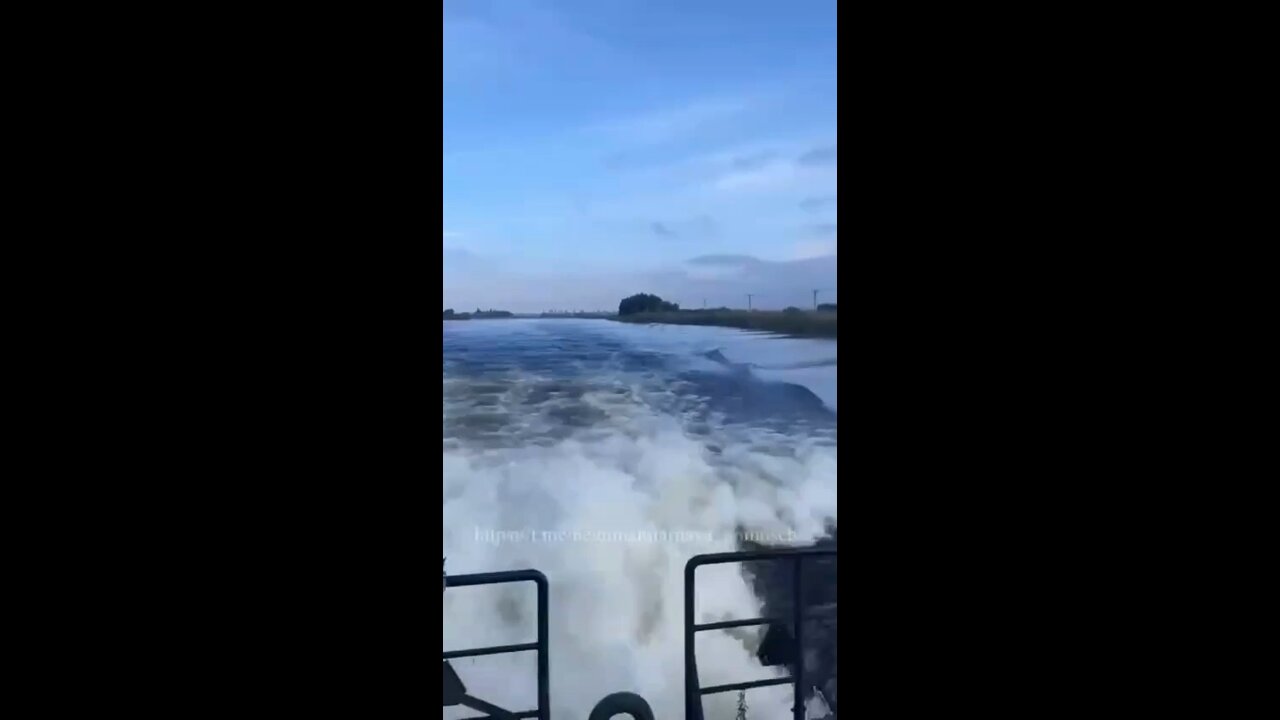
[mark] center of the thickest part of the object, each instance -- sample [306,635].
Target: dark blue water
[606,455]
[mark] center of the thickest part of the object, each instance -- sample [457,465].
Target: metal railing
[627,702]
[693,690]
[542,712]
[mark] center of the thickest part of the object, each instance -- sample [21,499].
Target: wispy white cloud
[810,249]
[511,39]
[819,241]
[821,156]
[815,204]
[763,167]
[782,175]
[473,48]
[770,177]
[667,124]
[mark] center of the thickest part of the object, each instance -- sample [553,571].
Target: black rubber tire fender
[622,703]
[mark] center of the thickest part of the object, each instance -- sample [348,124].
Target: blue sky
[591,146]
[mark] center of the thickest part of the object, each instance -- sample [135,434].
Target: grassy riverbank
[798,324]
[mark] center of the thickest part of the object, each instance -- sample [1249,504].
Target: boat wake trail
[606,455]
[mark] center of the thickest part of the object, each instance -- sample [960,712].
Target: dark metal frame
[693,690]
[540,645]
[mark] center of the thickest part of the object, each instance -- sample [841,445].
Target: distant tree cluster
[827,307]
[451,315]
[644,303]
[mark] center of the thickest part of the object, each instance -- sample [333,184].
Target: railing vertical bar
[797,584]
[692,696]
[544,659]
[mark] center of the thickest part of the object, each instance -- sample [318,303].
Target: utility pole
[815,299]
[749,296]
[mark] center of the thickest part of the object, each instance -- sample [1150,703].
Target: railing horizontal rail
[714,689]
[735,623]
[495,650]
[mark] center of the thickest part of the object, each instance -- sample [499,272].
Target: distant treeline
[645,303]
[477,315]
[646,308]
[579,314]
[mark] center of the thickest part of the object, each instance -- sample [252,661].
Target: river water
[606,455]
